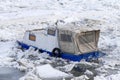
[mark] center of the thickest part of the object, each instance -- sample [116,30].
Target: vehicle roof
[77,28]
[69,27]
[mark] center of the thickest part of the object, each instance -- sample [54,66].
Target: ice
[111,77]
[83,77]
[47,71]
[30,76]
[17,16]
[6,49]
[88,72]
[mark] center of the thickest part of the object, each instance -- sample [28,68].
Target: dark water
[10,73]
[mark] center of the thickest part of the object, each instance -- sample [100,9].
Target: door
[87,41]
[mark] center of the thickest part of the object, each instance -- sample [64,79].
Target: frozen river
[10,74]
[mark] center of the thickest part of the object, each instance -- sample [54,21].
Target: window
[66,37]
[88,37]
[51,32]
[32,37]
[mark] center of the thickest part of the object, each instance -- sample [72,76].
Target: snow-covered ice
[50,72]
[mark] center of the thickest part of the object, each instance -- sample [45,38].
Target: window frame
[32,37]
[51,31]
[66,37]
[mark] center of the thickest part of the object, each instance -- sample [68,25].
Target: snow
[17,16]
[6,49]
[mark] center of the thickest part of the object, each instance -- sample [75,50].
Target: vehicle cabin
[68,42]
[66,39]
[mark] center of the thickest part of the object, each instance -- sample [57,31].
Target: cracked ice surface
[17,16]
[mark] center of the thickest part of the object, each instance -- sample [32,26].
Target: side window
[32,37]
[66,38]
[51,32]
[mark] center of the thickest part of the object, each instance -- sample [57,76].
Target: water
[10,73]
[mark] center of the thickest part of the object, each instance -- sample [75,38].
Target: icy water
[10,73]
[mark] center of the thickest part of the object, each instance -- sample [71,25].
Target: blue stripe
[69,56]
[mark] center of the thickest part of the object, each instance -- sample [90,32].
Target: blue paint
[69,56]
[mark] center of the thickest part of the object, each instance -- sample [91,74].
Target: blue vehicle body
[69,56]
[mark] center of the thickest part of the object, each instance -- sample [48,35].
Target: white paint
[43,40]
